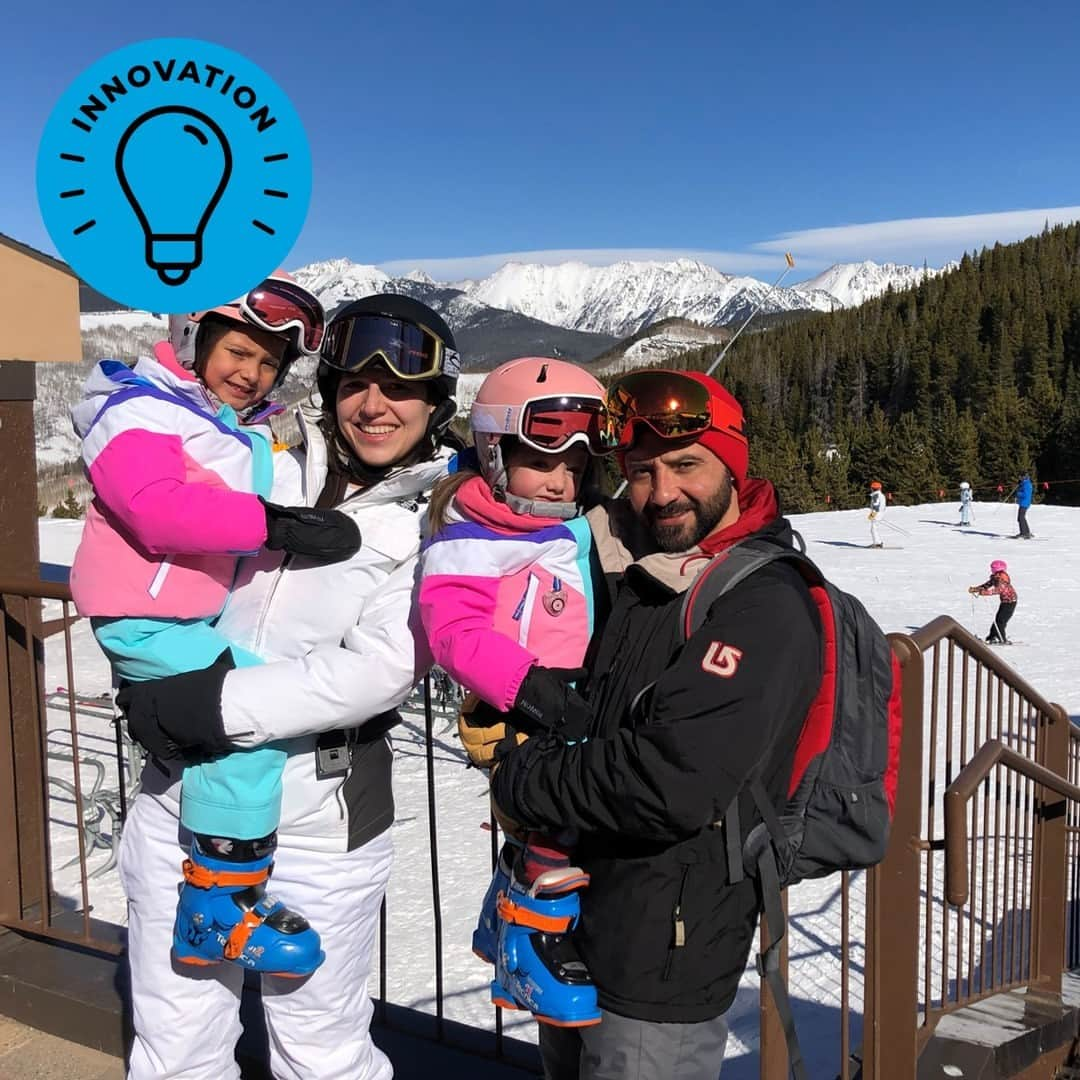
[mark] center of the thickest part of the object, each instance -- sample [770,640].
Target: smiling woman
[381,416]
[368,456]
[388,372]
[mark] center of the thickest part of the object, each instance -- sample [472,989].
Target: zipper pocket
[261,625]
[678,930]
[523,613]
[158,581]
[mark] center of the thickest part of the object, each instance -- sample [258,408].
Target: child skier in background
[506,600]
[965,503]
[877,511]
[998,584]
[180,456]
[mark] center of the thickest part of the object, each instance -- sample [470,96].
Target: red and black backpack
[842,788]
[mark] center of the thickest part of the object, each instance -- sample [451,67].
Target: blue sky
[455,136]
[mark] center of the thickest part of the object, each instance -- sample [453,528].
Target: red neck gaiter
[758,507]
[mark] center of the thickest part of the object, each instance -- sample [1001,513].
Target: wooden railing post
[890,1022]
[21,802]
[1049,854]
[773,1063]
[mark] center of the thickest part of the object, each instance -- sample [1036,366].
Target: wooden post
[22,865]
[1050,858]
[774,1052]
[890,1022]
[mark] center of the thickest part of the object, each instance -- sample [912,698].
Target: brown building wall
[39,306]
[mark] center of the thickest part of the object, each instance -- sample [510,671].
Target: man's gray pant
[619,1048]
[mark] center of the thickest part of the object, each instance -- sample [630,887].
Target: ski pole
[746,322]
[895,528]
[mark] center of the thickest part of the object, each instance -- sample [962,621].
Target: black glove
[546,703]
[327,536]
[180,716]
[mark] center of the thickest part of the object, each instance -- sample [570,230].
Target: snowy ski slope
[923,571]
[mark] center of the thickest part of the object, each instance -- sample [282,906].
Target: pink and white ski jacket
[174,482]
[501,591]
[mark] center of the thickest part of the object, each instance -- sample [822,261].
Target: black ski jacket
[665,936]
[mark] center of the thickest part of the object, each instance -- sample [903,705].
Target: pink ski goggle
[277,305]
[550,424]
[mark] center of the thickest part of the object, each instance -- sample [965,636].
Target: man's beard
[706,515]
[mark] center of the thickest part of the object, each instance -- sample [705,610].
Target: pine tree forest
[973,375]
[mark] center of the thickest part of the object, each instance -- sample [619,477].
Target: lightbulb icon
[185,144]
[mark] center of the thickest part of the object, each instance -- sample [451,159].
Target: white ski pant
[875,531]
[187,1020]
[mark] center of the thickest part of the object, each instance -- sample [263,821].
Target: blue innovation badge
[173,175]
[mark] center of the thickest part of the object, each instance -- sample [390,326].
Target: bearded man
[674,730]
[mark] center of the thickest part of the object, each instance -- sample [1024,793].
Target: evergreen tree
[983,362]
[956,446]
[1003,450]
[70,507]
[914,477]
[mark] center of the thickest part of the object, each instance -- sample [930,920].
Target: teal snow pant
[236,796]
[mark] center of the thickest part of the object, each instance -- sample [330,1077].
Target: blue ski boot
[537,967]
[485,937]
[224,912]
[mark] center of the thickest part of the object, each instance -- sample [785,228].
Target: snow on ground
[923,571]
[95,320]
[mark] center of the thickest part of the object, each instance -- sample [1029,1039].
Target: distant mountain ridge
[629,314]
[619,299]
[855,283]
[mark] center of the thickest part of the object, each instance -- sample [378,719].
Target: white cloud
[477,266]
[936,239]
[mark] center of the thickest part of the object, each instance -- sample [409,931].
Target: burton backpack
[842,790]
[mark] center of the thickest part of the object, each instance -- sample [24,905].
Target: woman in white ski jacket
[322,702]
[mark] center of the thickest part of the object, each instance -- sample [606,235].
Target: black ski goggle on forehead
[409,350]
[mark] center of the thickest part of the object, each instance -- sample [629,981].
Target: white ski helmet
[964,485]
[278,305]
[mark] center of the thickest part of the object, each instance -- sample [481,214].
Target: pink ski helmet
[546,404]
[278,304]
[997,567]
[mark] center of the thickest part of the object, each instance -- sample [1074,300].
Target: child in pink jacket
[998,584]
[180,457]
[506,602]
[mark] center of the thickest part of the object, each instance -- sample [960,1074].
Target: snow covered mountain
[622,298]
[571,310]
[855,283]
[657,343]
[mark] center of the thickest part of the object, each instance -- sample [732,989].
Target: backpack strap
[733,566]
[721,575]
[765,839]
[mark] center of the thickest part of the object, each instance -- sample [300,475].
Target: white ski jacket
[297,617]
[877,502]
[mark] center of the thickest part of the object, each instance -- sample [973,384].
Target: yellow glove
[872,515]
[481,728]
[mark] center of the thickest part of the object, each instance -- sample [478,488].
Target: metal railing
[27,899]
[983,868]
